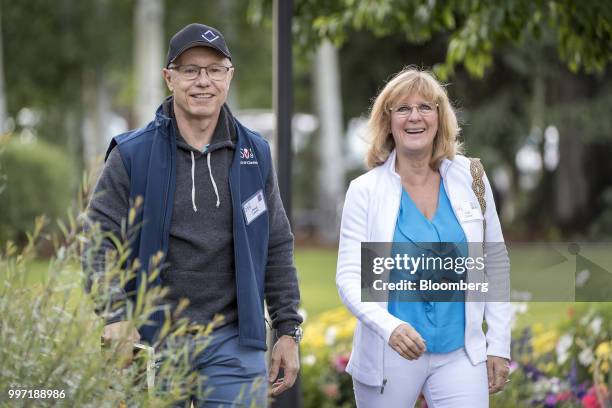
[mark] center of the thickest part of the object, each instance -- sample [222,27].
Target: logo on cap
[210,36]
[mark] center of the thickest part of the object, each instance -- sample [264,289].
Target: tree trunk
[227,11]
[331,171]
[3,110]
[571,182]
[149,54]
[96,118]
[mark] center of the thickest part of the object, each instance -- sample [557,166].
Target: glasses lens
[189,71]
[425,108]
[216,72]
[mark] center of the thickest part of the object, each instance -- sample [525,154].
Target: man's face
[202,97]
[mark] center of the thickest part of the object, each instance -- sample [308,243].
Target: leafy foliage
[39,180]
[476,27]
[49,46]
[50,335]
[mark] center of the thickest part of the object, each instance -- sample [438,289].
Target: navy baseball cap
[196,35]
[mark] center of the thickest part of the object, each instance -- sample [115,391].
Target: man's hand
[285,356]
[497,371]
[125,334]
[407,342]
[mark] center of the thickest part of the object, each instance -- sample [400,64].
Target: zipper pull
[382,389]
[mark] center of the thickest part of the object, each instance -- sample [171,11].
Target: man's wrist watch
[296,333]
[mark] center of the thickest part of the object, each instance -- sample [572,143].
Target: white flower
[330,335]
[584,320]
[541,387]
[555,384]
[309,360]
[586,357]
[596,325]
[563,345]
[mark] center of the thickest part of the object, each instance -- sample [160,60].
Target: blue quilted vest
[149,155]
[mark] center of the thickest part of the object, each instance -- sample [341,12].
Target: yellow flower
[538,328]
[544,342]
[604,350]
[318,328]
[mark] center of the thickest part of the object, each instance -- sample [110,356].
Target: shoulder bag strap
[478,186]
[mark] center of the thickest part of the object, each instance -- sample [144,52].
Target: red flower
[570,312]
[340,363]
[590,399]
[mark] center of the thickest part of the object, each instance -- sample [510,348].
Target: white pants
[445,379]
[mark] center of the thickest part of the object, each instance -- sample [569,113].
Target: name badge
[254,206]
[469,211]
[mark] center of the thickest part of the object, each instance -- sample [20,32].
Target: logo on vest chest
[247,156]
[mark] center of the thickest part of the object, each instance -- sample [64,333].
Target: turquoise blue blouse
[441,324]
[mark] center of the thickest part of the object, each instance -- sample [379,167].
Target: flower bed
[566,364]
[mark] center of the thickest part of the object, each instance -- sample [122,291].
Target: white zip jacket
[370,214]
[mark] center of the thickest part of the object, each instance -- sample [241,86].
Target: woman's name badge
[254,207]
[469,211]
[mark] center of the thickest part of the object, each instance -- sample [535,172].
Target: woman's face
[414,124]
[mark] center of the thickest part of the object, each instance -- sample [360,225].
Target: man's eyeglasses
[424,108]
[190,72]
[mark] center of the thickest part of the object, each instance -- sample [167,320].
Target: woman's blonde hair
[412,81]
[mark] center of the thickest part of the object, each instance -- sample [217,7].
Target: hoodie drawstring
[212,179]
[195,209]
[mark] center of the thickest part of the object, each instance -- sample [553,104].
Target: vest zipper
[236,274]
[164,226]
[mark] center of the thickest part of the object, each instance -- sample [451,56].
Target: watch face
[298,333]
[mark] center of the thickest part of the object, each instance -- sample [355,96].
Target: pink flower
[590,400]
[331,390]
[340,363]
[564,396]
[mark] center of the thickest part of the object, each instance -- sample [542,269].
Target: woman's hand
[407,342]
[498,369]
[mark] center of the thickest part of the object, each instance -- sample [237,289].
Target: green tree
[476,27]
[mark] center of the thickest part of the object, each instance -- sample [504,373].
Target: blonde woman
[415,190]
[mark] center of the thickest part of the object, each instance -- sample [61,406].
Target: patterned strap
[479,189]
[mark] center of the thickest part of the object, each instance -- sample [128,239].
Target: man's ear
[230,76]
[168,78]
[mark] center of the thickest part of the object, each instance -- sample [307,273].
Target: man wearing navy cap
[212,206]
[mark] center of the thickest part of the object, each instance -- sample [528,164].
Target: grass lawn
[317,275]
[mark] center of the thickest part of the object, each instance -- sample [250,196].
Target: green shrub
[50,335]
[39,178]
